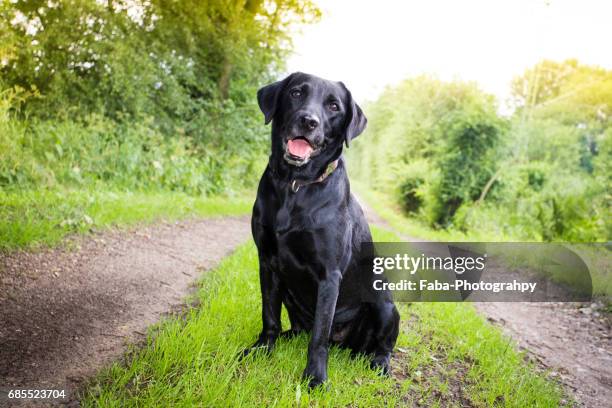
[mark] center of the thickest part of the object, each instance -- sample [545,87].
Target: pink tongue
[299,147]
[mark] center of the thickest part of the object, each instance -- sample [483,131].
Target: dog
[309,229]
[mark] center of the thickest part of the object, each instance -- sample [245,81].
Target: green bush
[468,157]
[412,190]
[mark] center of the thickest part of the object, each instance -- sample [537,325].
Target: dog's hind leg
[298,323]
[386,326]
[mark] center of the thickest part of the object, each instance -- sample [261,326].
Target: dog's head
[311,117]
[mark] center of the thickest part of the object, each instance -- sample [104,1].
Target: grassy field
[446,355]
[43,217]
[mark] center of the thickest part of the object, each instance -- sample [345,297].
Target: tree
[166,59]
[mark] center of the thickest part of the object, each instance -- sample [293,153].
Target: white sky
[371,44]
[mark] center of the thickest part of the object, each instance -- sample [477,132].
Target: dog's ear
[267,98]
[356,121]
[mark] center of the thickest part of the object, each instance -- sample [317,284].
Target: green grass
[31,218]
[446,355]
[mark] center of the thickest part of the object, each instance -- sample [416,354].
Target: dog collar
[295,184]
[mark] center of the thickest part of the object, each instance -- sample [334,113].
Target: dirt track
[67,313]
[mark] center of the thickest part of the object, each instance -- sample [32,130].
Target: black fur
[309,241]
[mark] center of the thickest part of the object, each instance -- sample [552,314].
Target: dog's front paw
[315,377]
[314,380]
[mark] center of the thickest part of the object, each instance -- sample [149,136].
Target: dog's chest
[300,241]
[290,218]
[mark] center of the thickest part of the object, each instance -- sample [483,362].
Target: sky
[371,44]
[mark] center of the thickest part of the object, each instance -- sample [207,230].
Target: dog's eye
[296,93]
[334,107]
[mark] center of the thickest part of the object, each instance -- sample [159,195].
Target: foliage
[139,94]
[451,161]
[470,133]
[157,58]
[439,142]
[128,156]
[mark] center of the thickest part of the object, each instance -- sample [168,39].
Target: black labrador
[309,229]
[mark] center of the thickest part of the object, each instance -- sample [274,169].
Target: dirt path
[67,313]
[573,341]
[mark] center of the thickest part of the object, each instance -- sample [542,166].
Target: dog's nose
[309,122]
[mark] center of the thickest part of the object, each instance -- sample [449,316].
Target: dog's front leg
[327,295]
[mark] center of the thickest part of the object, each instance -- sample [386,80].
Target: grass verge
[33,218]
[446,355]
